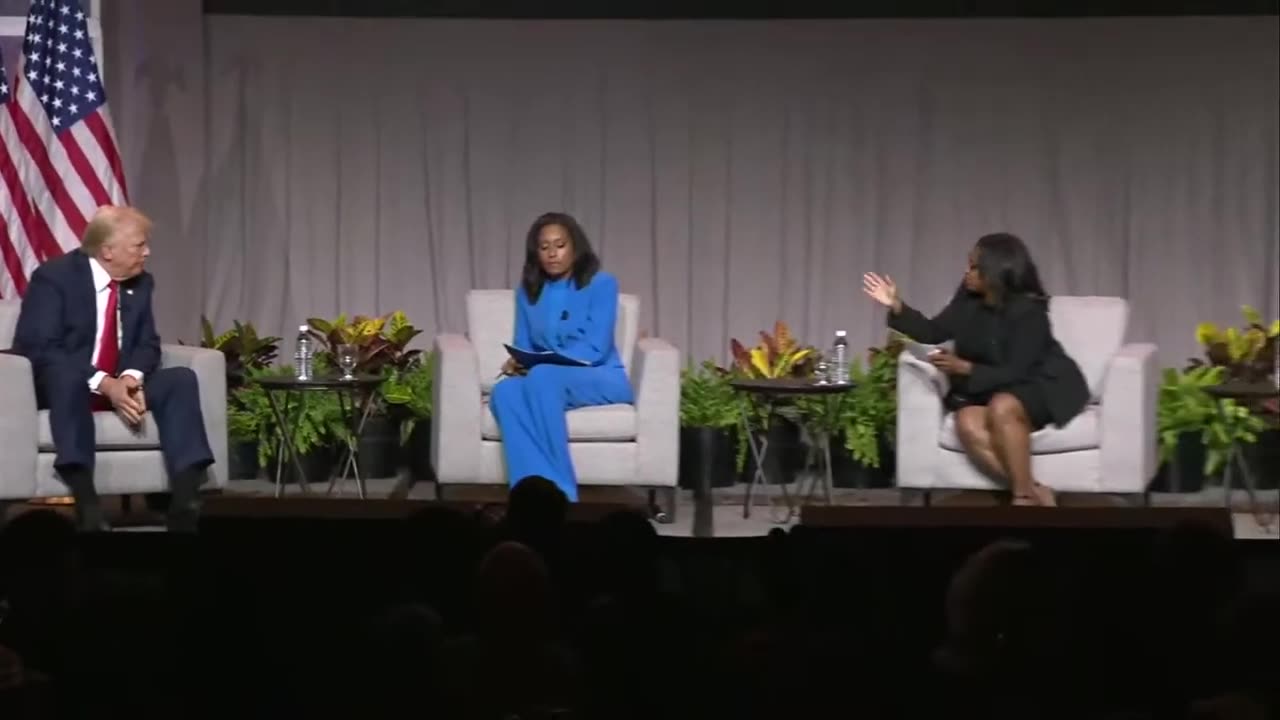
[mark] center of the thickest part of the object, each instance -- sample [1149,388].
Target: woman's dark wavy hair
[1005,265]
[585,261]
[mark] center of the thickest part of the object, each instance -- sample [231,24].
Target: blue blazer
[580,325]
[58,320]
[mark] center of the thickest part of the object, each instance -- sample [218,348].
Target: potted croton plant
[381,349]
[710,422]
[1248,354]
[778,355]
[245,352]
[407,393]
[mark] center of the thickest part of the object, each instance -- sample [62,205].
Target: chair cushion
[602,423]
[111,432]
[1082,433]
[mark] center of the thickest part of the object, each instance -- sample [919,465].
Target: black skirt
[1031,395]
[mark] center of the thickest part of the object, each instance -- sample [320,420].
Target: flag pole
[95,32]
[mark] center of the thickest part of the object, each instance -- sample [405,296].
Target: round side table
[769,390]
[355,398]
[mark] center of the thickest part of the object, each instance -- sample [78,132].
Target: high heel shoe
[1041,496]
[1045,496]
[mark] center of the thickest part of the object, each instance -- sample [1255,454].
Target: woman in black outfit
[1008,375]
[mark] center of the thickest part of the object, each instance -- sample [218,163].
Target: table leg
[821,475]
[787,501]
[279,466]
[358,416]
[758,452]
[1246,476]
[827,479]
[348,453]
[286,437]
[1226,480]
[1221,408]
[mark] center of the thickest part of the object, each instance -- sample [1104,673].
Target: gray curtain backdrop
[729,173]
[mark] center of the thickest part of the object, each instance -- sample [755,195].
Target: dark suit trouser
[173,404]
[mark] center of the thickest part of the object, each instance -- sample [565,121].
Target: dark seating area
[530,611]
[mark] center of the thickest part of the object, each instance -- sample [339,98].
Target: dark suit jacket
[1014,347]
[58,321]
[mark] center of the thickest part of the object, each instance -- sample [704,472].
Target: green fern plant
[707,399]
[865,413]
[410,390]
[315,418]
[1185,406]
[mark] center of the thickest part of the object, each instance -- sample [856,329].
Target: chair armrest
[19,439]
[941,383]
[921,388]
[656,382]
[1128,422]
[456,397]
[210,367]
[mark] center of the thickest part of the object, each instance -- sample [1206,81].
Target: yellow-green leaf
[760,361]
[1251,315]
[1207,333]
[396,321]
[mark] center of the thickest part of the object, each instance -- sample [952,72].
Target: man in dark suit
[87,328]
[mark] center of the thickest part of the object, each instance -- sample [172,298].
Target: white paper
[920,351]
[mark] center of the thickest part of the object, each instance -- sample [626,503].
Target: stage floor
[727,519]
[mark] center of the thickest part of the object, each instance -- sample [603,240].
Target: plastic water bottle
[303,354]
[839,371]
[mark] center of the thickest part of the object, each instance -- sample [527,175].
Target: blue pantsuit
[530,409]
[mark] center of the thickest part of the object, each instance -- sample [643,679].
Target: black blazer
[58,320]
[1011,346]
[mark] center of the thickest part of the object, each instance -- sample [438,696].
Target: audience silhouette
[530,616]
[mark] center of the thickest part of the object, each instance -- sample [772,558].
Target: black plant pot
[242,459]
[846,472]
[317,463]
[1263,459]
[416,452]
[784,457]
[707,453]
[378,451]
[1188,465]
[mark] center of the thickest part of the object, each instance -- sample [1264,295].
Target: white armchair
[127,462]
[633,445]
[1109,448]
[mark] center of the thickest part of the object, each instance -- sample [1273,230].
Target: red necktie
[109,349]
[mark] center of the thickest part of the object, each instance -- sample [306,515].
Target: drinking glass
[821,373]
[347,361]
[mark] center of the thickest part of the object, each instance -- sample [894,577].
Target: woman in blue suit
[566,304]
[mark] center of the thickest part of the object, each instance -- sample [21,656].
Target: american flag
[58,130]
[16,256]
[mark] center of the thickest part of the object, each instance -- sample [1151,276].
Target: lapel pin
[129,291]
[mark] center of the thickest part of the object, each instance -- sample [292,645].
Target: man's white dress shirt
[102,292]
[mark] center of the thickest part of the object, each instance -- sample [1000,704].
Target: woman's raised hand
[881,289]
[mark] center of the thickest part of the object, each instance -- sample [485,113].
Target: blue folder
[529,358]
